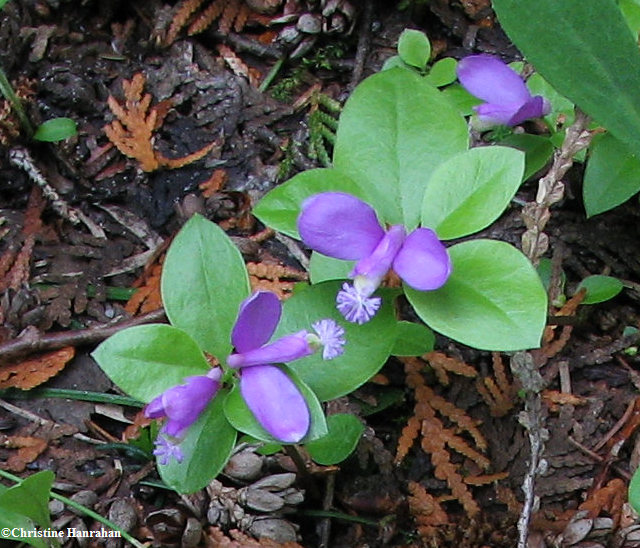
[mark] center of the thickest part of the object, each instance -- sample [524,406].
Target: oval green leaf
[344,434]
[55,129]
[469,191]
[597,48]
[323,268]
[206,448]
[612,175]
[241,417]
[414,48]
[599,288]
[537,151]
[30,498]
[146,360]
[280,207]
[394,130]
[413,339]
[367,346]
[443,72]
[204,280]
[494,299]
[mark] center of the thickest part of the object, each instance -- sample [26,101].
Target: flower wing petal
[534,108]
[492,114]
[184,403]
[491,80]
[257,320]
[423,261]
[276,402]
[339,225]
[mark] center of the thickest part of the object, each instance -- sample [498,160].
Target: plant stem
[7,91]
[82,395]
[86,511]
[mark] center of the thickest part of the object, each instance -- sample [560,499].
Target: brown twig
[364,39]
[35,341]
[551,189]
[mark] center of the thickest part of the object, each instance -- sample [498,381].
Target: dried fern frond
[426,510]
[229,14]
[443,364]
[498,394]
[426,423]
[136,120]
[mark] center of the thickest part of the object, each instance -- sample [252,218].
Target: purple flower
[272,397]
[507,100]
[344,227]
[181,405]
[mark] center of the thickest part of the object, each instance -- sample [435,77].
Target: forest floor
[81,225]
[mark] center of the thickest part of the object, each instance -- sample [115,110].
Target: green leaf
[367,348]
[413,339]
[204,280]
[30,498]
[206,448]
[394,131]
[612,175]
[56,129]
[241,417]
[494,299]
[14,520]
[461,99]
[560,105]
[148,359]
[545,271]
[280,207]
[631,11]
[443,72]
[323,268]
[469,191]
[344,434]
[414,48]
[634,490]
[597,62]
[393,62]
[599,288]
[2,3]
[537,151]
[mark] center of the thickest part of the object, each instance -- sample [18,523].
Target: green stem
[82,395]
[83,509]
[275,69]
[7,90]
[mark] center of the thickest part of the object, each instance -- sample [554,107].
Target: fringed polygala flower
[507,101]
[181,405]
[272,397]
[342,226]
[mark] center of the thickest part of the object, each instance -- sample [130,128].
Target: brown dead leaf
[29,449]
[214,184]
[35,371]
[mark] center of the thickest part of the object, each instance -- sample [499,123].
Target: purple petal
[491,114]
[155,408]
[492,80]
[339,225]
[184,403]
[285,349]
[423,262]
[257,320]
[376,265]
[276,402]
[534,108]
